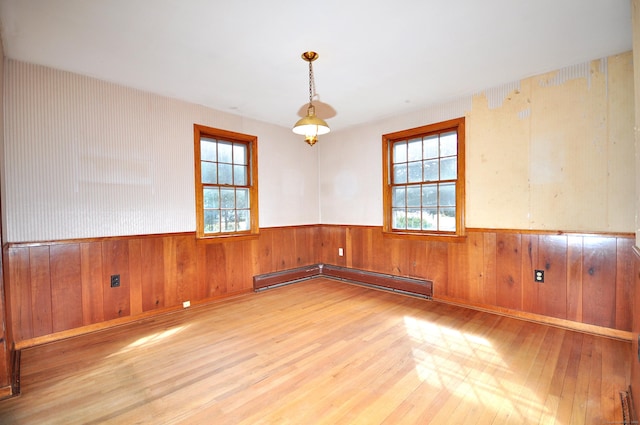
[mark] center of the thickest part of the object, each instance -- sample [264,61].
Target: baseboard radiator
[402,284]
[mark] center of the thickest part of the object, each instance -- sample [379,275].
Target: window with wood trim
[423,171]
[226,178]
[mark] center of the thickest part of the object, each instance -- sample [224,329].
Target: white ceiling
[377,58]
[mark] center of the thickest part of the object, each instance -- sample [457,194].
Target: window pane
[414,150]
[430,147]
[228,198]
[413,196]
[225,152]
[211,221]
[429,219]
[207,149]
[239,154]
[399,152]
[399,218]
[211,197]
[240,175]
[242,198]
[243,220]
[431,170]
[399,199]
[448,194]
[228,218]
[209,172]
[449,144]
[430,195]
[448,168]
[447,219]
[224,174]
[415,172]
[414,219]
[400,173]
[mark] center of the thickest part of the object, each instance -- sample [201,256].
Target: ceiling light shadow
[323,110]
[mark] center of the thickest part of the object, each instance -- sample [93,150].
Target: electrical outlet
[538,276]
[340,252]
[186,304]
[115,280]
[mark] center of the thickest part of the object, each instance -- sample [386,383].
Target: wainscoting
[54,289]
[635,350]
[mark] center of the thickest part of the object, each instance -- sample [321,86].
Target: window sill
[227,237]
[432,237]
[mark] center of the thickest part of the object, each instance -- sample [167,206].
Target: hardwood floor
[324,352]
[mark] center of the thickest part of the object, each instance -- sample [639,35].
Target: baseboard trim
[539,318]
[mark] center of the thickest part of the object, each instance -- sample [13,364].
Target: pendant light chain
[311,83]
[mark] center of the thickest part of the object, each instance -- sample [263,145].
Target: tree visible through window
[424,180]
[226,182]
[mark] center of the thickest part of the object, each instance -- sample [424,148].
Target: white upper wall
[86,158]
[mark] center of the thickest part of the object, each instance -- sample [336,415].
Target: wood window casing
[388,142]
[250,185]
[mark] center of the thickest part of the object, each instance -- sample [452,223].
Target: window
[226,178]
[423,171]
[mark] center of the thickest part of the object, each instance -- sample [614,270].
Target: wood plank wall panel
[18,284]
[40,278]
[66,287]
[91,271]
[599,281]
[490,272]
[509,254]
[549,254]
[574,278]
[115,260]
[63,285]
[152,273]
[135,277]
[624,283]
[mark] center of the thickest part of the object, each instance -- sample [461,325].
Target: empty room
[348,212]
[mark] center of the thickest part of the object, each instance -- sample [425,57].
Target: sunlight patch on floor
[470,367]
[147,340]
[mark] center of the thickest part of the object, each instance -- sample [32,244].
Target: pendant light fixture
[311,126]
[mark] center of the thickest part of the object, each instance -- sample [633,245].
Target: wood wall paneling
[548,298]
[92,292]
[135,277]
[490,279]
[66,287]
[624,284]
[599,281]
[509,251]
[40,279]
[115,260]
[334,237]
[186,269]
[152,273]
[60,286]
[635,349]
[574,278]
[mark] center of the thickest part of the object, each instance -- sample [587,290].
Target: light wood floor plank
[324,352]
